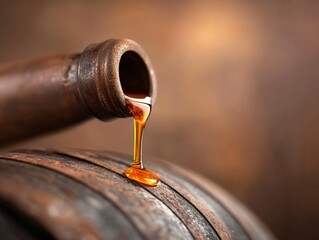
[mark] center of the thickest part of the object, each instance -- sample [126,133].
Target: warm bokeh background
[238,96]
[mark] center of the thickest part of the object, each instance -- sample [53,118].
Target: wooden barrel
[78,194]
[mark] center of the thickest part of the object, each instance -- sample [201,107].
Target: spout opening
[134,76]
[111,70]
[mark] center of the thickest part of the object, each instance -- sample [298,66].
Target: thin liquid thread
[141,110]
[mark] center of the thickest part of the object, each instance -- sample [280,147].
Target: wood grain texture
[77,193]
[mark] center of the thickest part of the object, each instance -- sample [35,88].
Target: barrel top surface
[87,189]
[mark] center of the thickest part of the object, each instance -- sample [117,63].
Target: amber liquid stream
[141,110]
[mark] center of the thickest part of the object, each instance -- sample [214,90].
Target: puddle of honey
[141,110]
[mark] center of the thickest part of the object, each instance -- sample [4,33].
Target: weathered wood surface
[78,194]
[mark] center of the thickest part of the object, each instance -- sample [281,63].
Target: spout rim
[100,84]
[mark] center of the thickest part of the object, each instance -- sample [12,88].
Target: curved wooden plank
[66,208]
[152,217]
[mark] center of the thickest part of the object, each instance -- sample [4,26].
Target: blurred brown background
[238,91]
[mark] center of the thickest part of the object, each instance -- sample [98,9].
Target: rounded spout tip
[111,70]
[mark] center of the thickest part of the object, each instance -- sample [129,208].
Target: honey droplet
[142,175]
[140,109]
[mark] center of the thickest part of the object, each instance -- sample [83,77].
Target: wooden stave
[206,208]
